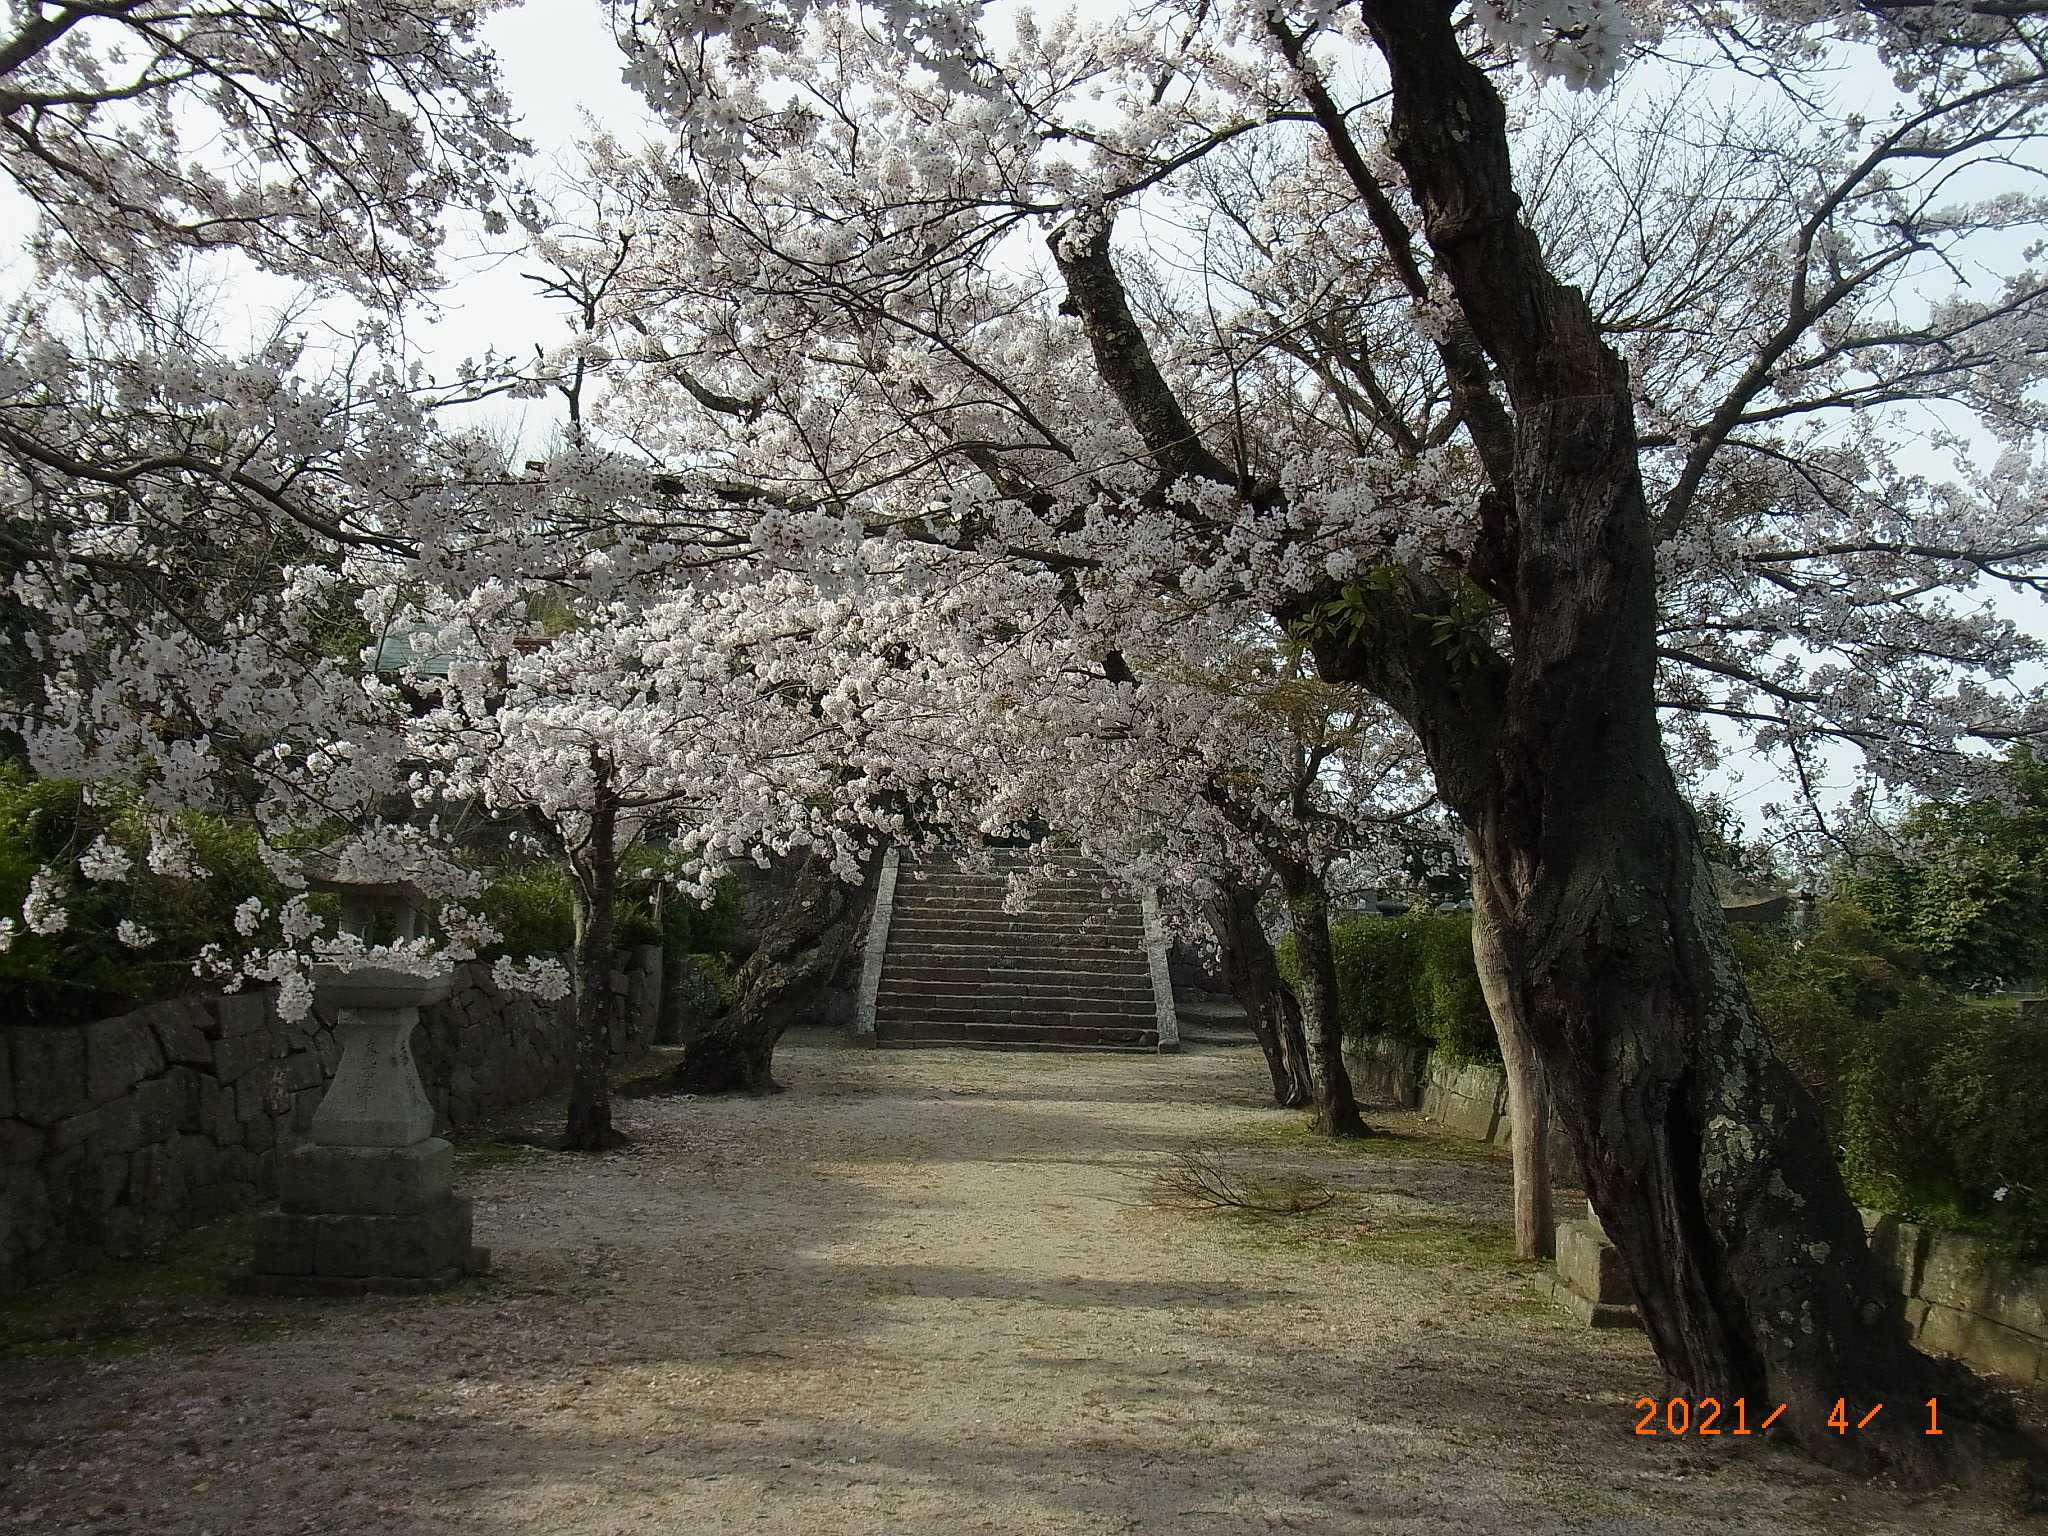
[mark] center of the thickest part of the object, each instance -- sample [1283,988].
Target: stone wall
[114,1134]
[1473,1101]
[1386,1071]
[1963,1299]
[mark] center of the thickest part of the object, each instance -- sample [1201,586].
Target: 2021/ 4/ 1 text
[1709,1416]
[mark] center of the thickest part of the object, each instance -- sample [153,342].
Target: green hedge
[529,904]
[1939,1105]
[84,972]
[1409,978]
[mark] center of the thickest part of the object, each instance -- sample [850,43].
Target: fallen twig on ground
[1197,1180]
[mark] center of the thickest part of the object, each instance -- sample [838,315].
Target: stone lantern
[366,1202]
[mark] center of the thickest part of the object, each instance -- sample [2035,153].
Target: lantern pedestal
[366,1205]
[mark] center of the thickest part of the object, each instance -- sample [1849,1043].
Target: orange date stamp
[1682,1416]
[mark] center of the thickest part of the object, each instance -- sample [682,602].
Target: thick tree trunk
[780,982]
[1308,918]
[1705,1158]
[1528,1099]
[1253,973]
[593,888]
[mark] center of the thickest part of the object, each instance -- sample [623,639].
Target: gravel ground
[928,1291]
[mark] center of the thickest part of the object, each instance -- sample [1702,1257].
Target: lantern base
[331,1252]
[360,1255]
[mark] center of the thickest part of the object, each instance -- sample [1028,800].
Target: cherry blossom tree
[1561,442]
[657,722]
[1562,468]
[324,141]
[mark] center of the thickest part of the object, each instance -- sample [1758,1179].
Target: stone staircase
[1070,972]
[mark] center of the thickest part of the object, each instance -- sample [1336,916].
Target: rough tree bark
[778,985]
[1252,972]
[1308,918]
[1703,1155]
[1528,1098]
[593,887]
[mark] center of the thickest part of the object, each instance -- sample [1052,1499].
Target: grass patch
[1292,1135]
[1532,1300]
[1349,1232]
[1297,1135]
[178,1295]
[476,1156]
[1431,1243]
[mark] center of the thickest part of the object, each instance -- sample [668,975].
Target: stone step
[1015,1010]
[996,887]
[1591,1265]
[910,989]
[953,1031]
[973,975]
[995,912]
[1026,1014]
[1010,934]
[1113,992]
[1065,871]
[940,920]
[1067,970]
[1068,1047]
[1050,946]
[920,902]
[1037,980]
[1096,920]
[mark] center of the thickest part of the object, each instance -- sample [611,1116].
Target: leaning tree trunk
[1704,1156]
[780,982]
[1308,919]
[593,887]
[1528,1099]
[1252,972]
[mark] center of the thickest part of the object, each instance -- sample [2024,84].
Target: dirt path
[924,1291]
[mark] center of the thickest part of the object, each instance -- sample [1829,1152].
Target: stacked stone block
[1963,1298]
[117,1133]
[1589,1283]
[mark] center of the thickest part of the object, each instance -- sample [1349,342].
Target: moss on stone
[177,1296]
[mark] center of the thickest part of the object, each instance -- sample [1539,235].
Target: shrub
[1965,887]
[1814,991]
[1889,1123]
[1454,1009]
[1935,1103]
[705,984]
[1409,978]
[1990,1081]
[529,904]
[685,927]
[85,971]
[1378,976]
